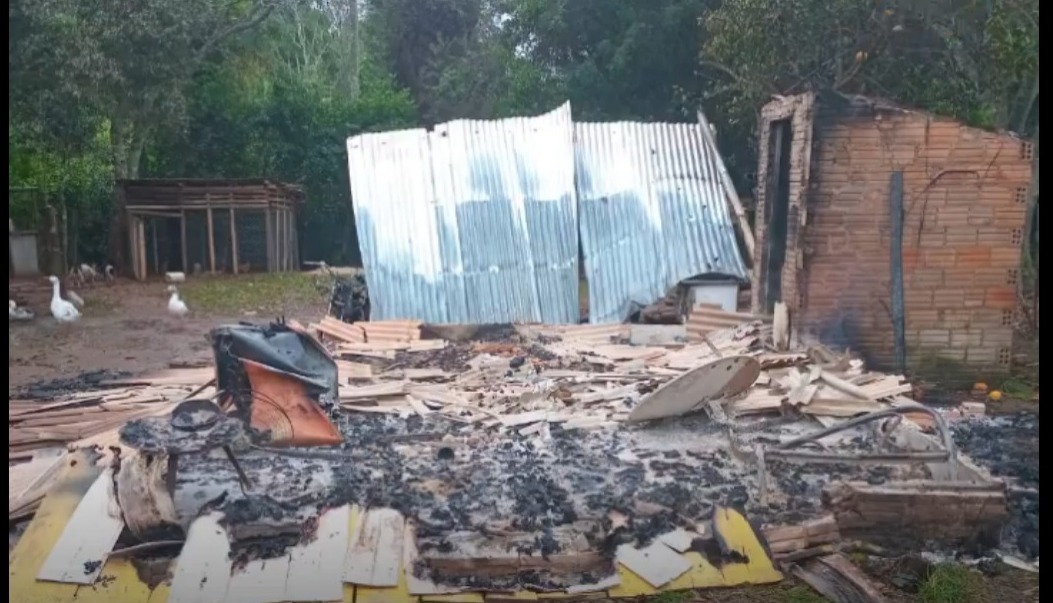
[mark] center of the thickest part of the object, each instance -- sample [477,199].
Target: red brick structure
[824,236]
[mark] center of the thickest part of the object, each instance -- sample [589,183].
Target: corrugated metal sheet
[652,212]
[474,222]
[477,221]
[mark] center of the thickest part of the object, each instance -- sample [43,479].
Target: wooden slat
[202,572]
[314,568]
[88,538]
[374,555]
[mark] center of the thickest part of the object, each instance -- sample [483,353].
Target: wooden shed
[895,232]
[231,226]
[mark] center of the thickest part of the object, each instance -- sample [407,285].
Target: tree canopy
[103,90]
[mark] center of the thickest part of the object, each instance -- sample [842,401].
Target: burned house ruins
[891,231]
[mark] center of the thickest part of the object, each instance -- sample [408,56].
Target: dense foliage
[102,89]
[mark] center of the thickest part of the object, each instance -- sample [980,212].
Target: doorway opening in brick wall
[777,204]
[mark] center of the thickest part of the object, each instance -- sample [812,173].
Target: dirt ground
[126,329]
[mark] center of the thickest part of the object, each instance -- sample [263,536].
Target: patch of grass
[951,583]
[101,306]
[1016,388]
[945,372]
[253,292]
[803,594]
[673,596]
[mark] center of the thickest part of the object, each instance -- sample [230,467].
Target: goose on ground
[111,274]
[89,272]
[176,306]
[14,312]
[62,310]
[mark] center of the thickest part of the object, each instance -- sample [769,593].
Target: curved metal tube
[941,425]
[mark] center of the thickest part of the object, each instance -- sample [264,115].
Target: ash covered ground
[1008,446]
[453,478]
[49,389]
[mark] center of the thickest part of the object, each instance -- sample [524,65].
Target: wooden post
[234,240]
[296,243]
[182,239]
[157,258]
[288,239]
[211,243]
[895,216]
[285,238]
[277,239]
[729,189]
[67,257]
[270,239]
[133,247]
[140,228]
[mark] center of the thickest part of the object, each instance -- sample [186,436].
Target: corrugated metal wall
[652,213]
[477,221]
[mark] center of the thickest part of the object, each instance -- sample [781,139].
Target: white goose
[176,306]
[62,310]
[16,313]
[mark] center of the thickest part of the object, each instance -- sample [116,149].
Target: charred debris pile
[563,449]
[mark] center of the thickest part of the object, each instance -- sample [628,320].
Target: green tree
[127,63]
[972,59]
[278,105]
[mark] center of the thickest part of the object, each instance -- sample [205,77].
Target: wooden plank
[657,564]
[837,579]
[729,189]
[523,418]
[410,557]
[202,572]
[211,243]
[44,532]
[374,554]
[260,581]
[234,240]
[89,536]
[24,480]
[314,568]
[354,370]
[418,407]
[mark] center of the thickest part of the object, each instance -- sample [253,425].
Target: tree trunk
[127,150]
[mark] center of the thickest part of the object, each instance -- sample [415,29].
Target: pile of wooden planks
[609,377]
[40,432]
[386,331]
[705,318]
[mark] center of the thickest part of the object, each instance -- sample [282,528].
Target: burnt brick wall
[799,110]
[965,193]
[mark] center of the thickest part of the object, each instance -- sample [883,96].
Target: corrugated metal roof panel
[394,198]
[652,212]
[507,192]
[474,222]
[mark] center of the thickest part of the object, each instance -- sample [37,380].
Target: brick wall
[965,194]
[800,111]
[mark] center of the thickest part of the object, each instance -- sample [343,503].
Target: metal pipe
[941,426]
